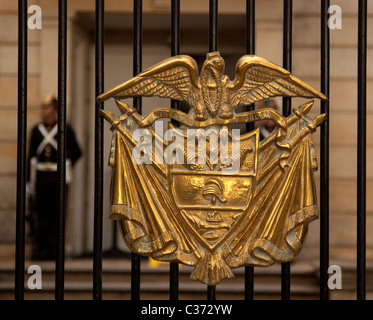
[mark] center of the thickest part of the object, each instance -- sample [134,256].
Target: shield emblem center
[212,201]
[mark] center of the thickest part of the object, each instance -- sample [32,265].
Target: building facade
[42,80]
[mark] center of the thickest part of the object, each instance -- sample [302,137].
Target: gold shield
[211,202]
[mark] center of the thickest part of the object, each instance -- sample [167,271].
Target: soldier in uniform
[43,177]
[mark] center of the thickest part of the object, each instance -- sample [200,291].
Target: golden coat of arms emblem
[202,193]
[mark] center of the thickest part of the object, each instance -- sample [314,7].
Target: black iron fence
[137,66]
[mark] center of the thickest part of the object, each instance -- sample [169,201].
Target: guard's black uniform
[43,172]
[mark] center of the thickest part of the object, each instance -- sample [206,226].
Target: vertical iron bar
[213,46]
[361,150]
[250,43]
[137,46]
[324,153]
[250,49]
[174,281]
[21,151]
[287,48]
[99,141]
[286,109]
[250,26]
[135,276]
[249,283]
[211,292]
[175,27]
[175,50]
[285,281]
[213,25]
[137,102]
[61,160]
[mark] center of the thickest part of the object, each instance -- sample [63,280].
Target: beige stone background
[42,79]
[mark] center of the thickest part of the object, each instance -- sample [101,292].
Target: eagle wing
[258,79]
[175,78]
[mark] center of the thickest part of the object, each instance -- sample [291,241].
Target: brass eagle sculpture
[177,205]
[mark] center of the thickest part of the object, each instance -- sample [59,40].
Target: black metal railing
[286,110]
[250,49]
[137,67]
[175,50]
[61,159]
[324,152]
[137,104]
[361,150]
[21,151]
[99,141]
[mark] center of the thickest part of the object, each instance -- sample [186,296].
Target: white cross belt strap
[48,138]
[48,166]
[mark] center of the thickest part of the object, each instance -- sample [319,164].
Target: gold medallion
[202,193]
